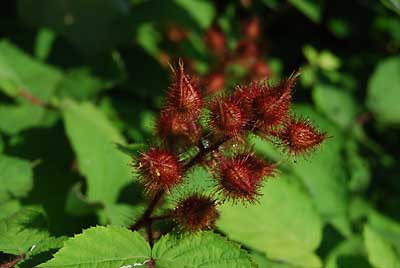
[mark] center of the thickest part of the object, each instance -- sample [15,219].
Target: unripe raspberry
[247,52]
[227,118]
[215,40]
[177,130]
[299,136]
[240,177]
[196,212]
[184,99]
[176,33]
[214,83]
[252,28]
[159,170]
[260,70]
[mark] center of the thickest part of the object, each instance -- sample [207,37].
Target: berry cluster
[246,55]
[258,107]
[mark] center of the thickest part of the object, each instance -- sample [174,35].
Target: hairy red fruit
[184,99]
[266,106]
[176,33]
[252,28]
[177,130]
[159,169]
[260,70]
[215,40]
[247,52]
[196,212]
[240,177]
[227,118]
[299,136]
[214,83]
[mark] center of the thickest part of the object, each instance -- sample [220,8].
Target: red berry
[299,136]
[227,117]
[240,177]
[184,99]
[215,40]
[247,52]
[252,28]
[260,70]
[176,33]
[177,130]
[266,106]
[159,169]
[196,212]
[214,83]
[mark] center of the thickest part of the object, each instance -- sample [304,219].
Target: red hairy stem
[148,212]
[13,262]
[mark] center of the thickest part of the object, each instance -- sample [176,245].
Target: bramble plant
[199,134]
[260,107]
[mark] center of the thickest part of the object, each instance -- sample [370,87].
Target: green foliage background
[81,83]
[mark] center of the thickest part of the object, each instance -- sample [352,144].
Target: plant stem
[13,262]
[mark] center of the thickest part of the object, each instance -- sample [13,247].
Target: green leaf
[77,203]
[310,8]
[16,118]
[392,4]
[380,252]
[205,250]
[271,3]
[263,262]
[384,91]
[16,178]
[43,43]
[80,84]
[24,232]
[359,169]
[323,173]
[101,247]
[202,11]
[349,253]
[93,139]
[123,214]
[337,105]
[387,228]
[284,225]
[8,208]
[20,72]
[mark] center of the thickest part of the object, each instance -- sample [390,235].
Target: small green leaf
[310,8]
[102,247]
[201,10]
[16,178]
[380,252]
[93,138]
[338,105]
[359,169]
[16,118]
[20,72]
[284,225]
[43,43]
[8,208]
[24,232]
[392,4]
[349,253]
[205,250]
[80,84]
[77,203]
[123,214]
[384,91]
